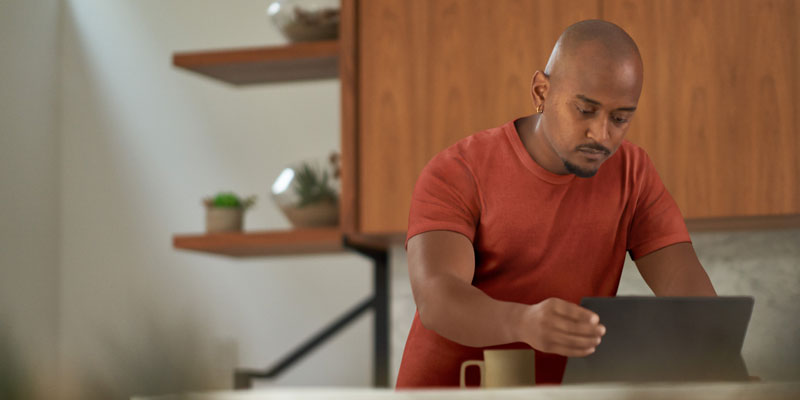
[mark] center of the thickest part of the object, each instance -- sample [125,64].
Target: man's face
[589,109]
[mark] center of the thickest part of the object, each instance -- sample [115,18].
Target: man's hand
[560,327]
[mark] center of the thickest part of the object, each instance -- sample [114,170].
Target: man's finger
[571,352]
[575,312]
[584,329]
[576,342]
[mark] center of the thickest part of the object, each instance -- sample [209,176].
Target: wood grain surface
[297,61]
[720,108]
[348,77]
[264,243]
[285,242]
[432,72]
[720,113]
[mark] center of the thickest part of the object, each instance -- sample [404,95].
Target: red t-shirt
[536,234]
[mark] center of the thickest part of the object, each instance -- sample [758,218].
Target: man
[511,227]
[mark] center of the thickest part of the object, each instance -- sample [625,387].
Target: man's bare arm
[441,267]
[675,271]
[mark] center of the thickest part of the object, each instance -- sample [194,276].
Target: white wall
[141,143]
[28,188]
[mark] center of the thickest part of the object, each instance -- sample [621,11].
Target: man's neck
[531,133]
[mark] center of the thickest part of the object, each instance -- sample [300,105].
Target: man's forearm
[468,316]
[691,280]
[675,271]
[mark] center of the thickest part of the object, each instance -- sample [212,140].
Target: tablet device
[666,339]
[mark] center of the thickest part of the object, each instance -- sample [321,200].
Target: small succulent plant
[229,200]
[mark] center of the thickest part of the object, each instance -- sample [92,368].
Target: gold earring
[540,108]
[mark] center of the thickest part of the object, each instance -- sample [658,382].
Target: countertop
[705,391]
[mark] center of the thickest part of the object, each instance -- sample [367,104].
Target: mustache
[595,147]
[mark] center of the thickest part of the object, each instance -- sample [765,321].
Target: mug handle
[469,363]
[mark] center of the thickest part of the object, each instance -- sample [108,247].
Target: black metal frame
[379,302]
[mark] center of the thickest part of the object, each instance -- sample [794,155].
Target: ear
[540,84]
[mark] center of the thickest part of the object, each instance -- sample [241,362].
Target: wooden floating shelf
[288,242]
[264,243]
[293,62]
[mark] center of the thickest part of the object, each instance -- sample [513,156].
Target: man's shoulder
[479,145]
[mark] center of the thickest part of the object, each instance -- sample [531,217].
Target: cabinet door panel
[434,71]
[719,113]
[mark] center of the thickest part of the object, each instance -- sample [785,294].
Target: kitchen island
[688,391]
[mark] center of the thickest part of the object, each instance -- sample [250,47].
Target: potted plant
[308,193]
[225,212]
[306,20]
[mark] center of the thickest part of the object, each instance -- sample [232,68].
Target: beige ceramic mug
[504,368]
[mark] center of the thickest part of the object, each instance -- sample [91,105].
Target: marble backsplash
[762,264]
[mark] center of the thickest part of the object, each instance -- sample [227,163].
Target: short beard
[578,171]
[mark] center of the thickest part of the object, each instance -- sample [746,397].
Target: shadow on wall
[14,382]
[160,358]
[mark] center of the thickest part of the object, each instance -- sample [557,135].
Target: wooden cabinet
[432,72]
[719,113]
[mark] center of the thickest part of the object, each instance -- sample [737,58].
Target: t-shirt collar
[529,162]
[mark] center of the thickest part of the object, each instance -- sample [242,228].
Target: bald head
[592,44]
[585,98]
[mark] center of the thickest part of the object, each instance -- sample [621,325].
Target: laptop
[666,339]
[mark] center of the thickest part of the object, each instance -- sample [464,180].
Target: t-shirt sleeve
[445,197]
[657,220]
